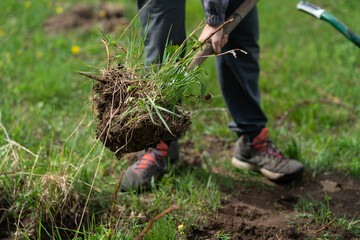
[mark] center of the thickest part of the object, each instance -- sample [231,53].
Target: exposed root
[142,234]
[92,77]
[114,202]
[319,230]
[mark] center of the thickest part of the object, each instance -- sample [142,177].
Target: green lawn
[51,163]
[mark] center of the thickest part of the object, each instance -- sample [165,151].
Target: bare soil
[107,16]
[265,210]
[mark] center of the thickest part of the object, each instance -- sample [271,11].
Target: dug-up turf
[125,127]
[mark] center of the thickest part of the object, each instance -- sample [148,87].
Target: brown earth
[84,16]
[265,210]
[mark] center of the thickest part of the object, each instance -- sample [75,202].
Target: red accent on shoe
[263,135]
[150,155]
[263,145]
[163,148]
[145,158]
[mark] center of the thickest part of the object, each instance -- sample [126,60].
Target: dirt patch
[255,213]
[264,210]
[83,16]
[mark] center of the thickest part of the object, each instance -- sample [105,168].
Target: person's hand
[218,40]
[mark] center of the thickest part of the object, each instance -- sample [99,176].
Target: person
[238,79]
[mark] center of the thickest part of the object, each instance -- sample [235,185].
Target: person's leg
[239,81]
[239,76]
[163,22]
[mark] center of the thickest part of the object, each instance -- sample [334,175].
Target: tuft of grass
[168,81]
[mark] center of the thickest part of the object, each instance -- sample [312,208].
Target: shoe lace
[149,158]
[268,147]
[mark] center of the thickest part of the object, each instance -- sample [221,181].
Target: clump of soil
[124,123]
[83,16]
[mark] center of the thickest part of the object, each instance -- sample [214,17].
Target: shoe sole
[274,176]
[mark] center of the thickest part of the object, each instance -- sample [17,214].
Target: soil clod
[125,127]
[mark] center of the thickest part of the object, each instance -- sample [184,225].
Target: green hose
[341,27]
[336,23]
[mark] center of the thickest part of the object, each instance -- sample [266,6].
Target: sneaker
[152,163]
[260,155]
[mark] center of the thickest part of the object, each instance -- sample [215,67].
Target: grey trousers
[238,77]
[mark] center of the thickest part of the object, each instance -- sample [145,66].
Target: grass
[47,133]
[319,213]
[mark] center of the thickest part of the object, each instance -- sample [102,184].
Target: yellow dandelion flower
[181,227]
[19,52]
[75,50]
[59,10]
[27,4]
[39,54]
[1,32]
[103,13]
